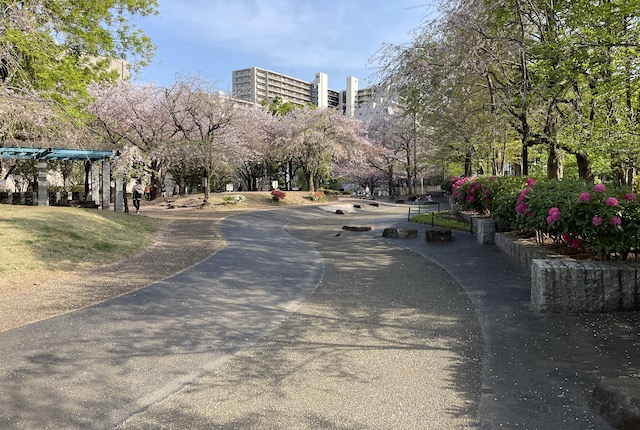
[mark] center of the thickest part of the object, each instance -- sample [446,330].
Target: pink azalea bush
[473,194]
[604,218]
[601,218]
[278,195]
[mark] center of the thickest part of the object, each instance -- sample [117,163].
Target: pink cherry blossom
[599,188]
[615,220]
[596,220]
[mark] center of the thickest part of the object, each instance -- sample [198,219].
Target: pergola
[42,155]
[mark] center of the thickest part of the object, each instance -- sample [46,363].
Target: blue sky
[294,37]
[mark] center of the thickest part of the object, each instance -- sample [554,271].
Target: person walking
[137,196]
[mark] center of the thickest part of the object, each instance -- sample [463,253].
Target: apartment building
[256,85]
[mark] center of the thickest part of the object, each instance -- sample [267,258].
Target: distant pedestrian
[138,190]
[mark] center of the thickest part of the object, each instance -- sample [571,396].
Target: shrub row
[602,218]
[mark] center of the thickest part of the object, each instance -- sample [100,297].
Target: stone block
[574,298]
[436,236]
[593,288]
[542,285]
[485,230]
[618,401]
[357,228]
[612,297]
[628,287]
[399,233]
[376,204]
[340,212]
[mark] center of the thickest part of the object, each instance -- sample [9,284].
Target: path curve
[93,368]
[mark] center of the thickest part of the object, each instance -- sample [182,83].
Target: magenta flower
[522,208]
[612,201]
[615,220]
[585,197]
[554,215]
[596,220]
[599,188]
[531,182]
[575,243]
[566,237]
[629,197]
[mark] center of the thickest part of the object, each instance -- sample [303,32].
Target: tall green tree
[57,47]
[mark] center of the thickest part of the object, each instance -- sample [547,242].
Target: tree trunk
[584,166]
[205,184]
[468,169]
[124,195]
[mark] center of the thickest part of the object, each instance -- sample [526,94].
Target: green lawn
[36,239]
[442,219]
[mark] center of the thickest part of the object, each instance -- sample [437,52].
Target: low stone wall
[485,227]
[520,251]
[563,285]
[584,286]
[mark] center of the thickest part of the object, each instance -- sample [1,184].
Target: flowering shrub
[317,196]
[603,217]
[472,193]
[278,195]
[597,217]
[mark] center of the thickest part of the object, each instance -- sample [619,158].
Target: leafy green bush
[578,213]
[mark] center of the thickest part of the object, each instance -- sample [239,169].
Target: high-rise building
[259,85]
[256,85]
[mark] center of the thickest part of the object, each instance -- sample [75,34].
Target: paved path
[93,368]
[398,334]
[388,341]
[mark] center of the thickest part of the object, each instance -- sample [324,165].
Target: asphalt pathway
[93,368]
[387,341]
[298,324]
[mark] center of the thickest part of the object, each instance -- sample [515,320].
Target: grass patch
[40,238]
[442,219]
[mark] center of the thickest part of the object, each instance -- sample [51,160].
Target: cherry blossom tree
[317,138]
[203,118]
[257,129]
[133,115]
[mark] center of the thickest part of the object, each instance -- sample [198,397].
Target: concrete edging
[562,285]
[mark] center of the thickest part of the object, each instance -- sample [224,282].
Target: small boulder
[399,233]
[439,235]
[618,401]
[357,228]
